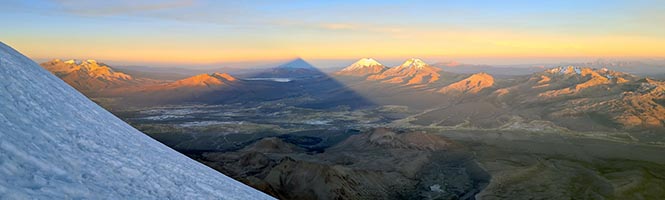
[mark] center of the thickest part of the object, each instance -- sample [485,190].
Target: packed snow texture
[57,144]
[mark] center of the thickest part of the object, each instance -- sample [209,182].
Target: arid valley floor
[419,133]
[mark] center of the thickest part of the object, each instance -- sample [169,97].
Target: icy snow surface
[57,144]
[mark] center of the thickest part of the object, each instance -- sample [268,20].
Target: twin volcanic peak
[412,72]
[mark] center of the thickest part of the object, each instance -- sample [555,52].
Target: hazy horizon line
[389,61]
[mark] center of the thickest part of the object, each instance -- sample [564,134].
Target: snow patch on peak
[415,63]
[363,67]
[367,62]
[363,63]
[565,70]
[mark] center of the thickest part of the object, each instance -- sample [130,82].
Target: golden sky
[197,32]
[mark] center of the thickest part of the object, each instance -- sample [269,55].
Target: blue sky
[200,32]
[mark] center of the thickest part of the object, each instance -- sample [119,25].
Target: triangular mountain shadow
[293,69]
[57,144]
[298,78]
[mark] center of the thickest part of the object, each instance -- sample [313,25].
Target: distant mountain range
[92,76]
[572,97]
[580,97]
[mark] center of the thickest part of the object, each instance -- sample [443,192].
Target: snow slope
[57,144]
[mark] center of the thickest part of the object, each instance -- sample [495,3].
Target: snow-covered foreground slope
[57,144]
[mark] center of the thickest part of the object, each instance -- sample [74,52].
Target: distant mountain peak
[363,67]
[414,63]
[366,62]
[205,80]
[470,85]
[70,61]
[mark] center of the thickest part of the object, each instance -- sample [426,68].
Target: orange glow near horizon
[200,32]
[423,44]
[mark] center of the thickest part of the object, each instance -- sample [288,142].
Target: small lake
[281,80]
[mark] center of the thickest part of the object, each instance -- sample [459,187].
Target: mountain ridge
[91,75]
[412,72]
[470,85]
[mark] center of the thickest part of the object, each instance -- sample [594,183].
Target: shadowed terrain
[413,131]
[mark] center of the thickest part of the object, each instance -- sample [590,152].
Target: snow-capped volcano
[363,67]
[413,63]
[362,64]
[57,144]
[412,72]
